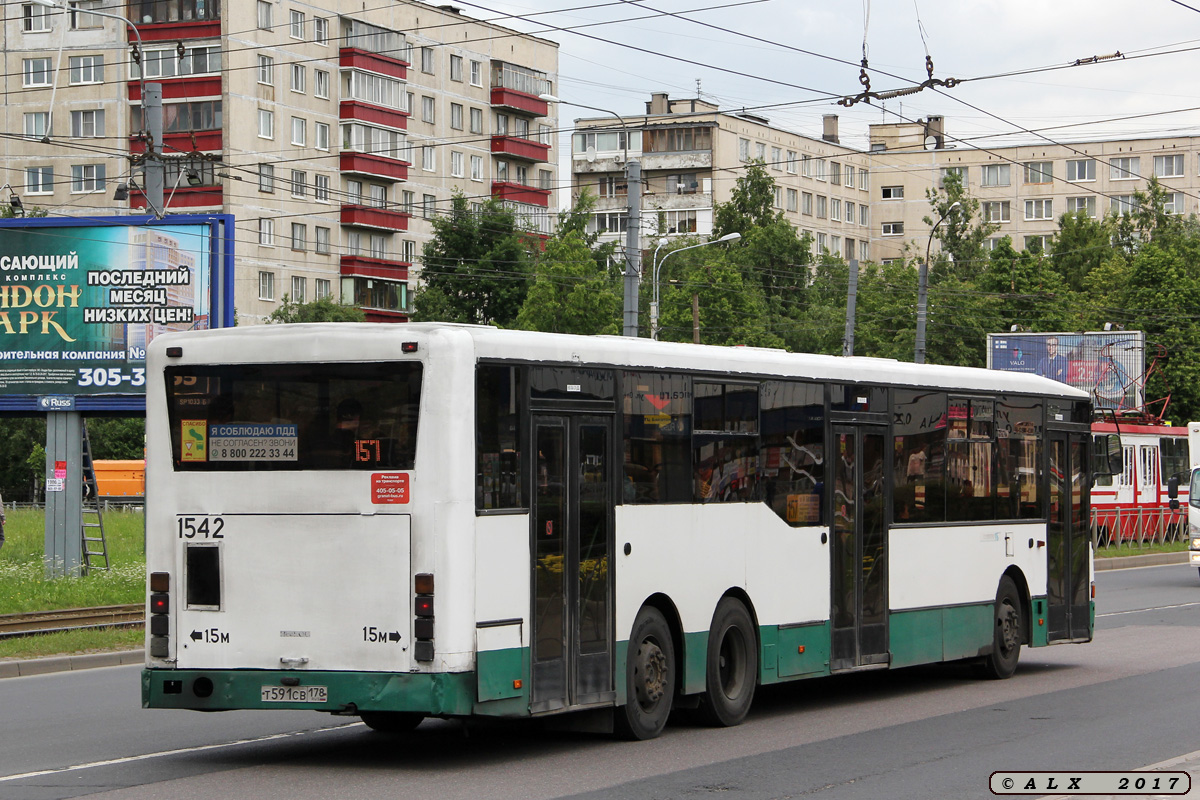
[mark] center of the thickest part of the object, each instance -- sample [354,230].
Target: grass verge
[1144,550]
[72,643]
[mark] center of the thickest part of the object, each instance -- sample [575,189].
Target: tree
[752,203]
[570,294]
[323,310]
[1081,244]
[475,268]
[961,233]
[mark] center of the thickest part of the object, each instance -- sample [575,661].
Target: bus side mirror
[1173,492]
[1107,455]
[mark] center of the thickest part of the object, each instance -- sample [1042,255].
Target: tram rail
[71,619]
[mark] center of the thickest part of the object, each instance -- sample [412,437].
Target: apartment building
[333,135]
[692,154]
[1024,189]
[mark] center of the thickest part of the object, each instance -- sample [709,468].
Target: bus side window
[792,464]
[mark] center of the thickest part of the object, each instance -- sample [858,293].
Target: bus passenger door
[572,541]
[1068,589]
[858,611]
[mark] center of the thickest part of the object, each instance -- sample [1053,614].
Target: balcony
[519,101]
[382,219]
[373,115]
[520,193]
[519,88]
[356,58]
[517,147]
[373,166]
[174,20]
[187,87]
[185,142]
[183,197]
[363,266]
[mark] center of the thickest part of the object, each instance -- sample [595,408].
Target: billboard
[81,298]
[1108,365]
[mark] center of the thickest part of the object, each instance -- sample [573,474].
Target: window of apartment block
[863,184]
[39,180]
[1037,244]
[1085,204]
[266,232]
[835,245]
[760,151]
[892,192]
[354,192]
[476,120]
[520,127]
[36,72]
[87,123]
[266,70]
[299,131]
[994,175]
[266,124]
[456,164]
[1168,166]
[849,179]
[86,69]
[428,158]
[806,203]
[835,210]
[428,109]
[791,162]
[476,168]
[266,286]
[172,62]
[545,179]
[378,195]
[298,78]
[822,206]
[456,68]
[320,83]
[427,60]
[849,212]
[408,201]
[299,236]
[37,123]
[322,288]
[476,73]
[1039,209]
[778,197]
[806,166]
[299,288]
[264,15]
[822,242]
[743,150]
[501,168]
[1124,168]
[320,30]
[793,200]
[863,251]
[1123,204]
[428,205]
[299,183]
[522,174]
[266,177]
[1038,171]
[321,188]
[893,229]
[1083,169]
[296,24]
[961,172]
[87,177]
[354,243]
[835,173]
[81,19]
[321,240]
[408,251]
[776,159]
[1173,202]
[321,135]
[456,116]
[995,211]
[34,18]
[864,215]
[819,168]
[378,246]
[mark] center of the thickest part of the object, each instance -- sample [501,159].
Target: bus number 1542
[200,527]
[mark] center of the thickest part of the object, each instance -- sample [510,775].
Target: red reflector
[408,347]
[174,352]
[423,607]
[159,604]
[160,582]
[423,583]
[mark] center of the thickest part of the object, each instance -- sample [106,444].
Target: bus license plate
[295,694]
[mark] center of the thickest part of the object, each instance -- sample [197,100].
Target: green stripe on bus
[939,634]
[502,674]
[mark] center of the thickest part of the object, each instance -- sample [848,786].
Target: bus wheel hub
[652,673]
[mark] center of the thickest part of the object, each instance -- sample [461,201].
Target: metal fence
[1140,527]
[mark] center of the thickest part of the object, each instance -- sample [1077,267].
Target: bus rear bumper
[434,694]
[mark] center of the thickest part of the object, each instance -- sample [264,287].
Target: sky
[979,42]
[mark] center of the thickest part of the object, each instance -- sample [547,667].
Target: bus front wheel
[392,721]
[732,668]
[650,676]
[1006,633]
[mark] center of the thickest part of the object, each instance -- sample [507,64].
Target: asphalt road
[1127,700]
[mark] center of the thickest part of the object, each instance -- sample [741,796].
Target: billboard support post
[64,494]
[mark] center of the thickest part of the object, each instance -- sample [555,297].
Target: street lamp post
[923,288]
[729,237]
[633,224]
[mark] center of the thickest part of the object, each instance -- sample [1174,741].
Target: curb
[1148,560]
[45,666]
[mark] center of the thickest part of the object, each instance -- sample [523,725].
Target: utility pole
[851,302]
[152,117]
[633,245]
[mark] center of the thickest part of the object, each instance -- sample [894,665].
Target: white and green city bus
[420,520]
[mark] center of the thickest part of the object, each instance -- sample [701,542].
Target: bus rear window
[244,417]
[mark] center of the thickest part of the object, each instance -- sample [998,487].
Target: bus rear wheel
[650,676]
[392,721]
[732,667]
[1006,633]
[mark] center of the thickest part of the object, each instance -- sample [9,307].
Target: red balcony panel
[511,98]
[375,166]
[177,31]
[381,268]
[517,147]
[176,143]
[520,193]
[181,88]
[381,315]
[375,115]
[373,62]
[378,218]
[183,197]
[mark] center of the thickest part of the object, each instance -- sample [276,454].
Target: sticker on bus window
[389,487]
[243,441]
[193,435]
[802,508]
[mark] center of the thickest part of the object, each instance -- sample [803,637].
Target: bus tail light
[160,608]
[423,613]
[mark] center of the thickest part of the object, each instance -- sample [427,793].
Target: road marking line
[145,756]
[1152,608]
